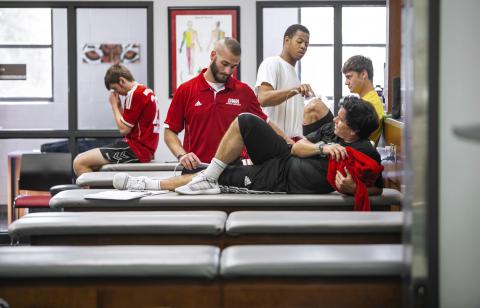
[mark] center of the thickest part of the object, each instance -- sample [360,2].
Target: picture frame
[192,33]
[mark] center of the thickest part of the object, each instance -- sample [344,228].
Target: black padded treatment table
[264,276]
[73,200]
[207,227]
[125,228]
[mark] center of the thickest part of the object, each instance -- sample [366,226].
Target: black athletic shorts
[310,128]
[119,153]
[237,162]
[269,154]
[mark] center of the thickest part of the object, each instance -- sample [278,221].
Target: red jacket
[364,170]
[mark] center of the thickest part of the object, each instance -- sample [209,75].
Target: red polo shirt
[206,115]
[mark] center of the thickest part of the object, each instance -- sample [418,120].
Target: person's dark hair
[290,32]
[233,46]
[114,73]
[360,116]
[359,64]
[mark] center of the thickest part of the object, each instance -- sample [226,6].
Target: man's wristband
[320,148]
[179,156]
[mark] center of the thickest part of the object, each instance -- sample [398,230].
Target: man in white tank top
[278,88]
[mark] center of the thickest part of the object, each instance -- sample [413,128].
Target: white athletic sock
[152,184]
[215,168]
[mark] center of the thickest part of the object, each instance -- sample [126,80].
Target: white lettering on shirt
[233,101]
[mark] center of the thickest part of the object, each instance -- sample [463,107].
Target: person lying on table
[279,167]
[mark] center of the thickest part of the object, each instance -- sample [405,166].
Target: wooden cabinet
[393,136]
[13,170]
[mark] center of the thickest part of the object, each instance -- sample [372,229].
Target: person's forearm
[304,148]
[117,115]
[270,98]
[173,143]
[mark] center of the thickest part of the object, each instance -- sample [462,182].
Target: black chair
[39,172]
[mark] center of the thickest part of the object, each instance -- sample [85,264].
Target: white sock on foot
[152,184]
[215,168]
[124,181]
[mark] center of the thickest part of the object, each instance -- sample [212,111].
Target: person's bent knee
[314,111]
[247,119]
[80,164]
[250,124]
[77,165]
[88,161]
[311,107]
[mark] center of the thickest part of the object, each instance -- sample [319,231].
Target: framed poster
[193,32]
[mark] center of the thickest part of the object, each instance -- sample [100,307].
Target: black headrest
[40,171]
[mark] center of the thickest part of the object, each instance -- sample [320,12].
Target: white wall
[459,243]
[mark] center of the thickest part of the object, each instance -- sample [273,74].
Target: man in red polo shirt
[206,105]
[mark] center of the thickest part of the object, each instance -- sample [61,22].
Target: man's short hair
[290,32]
[114,73]
[360,116]
[359,64]
[232,45]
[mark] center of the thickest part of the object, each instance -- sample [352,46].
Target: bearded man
[206,105]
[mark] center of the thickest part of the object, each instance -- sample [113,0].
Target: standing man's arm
[188,160]
[173,143]
[174,123]
[254,108]
[117,109]
[268,96]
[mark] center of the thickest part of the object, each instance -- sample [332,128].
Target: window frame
[337,35]
[73,133]
[33,46]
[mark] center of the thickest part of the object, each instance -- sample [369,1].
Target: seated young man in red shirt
[279,167]
[137,120]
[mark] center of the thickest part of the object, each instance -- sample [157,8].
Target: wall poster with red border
[193,32]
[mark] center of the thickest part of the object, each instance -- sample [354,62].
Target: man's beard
[220,78]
